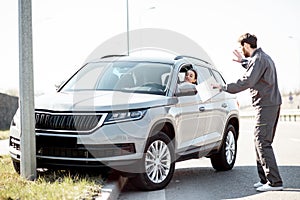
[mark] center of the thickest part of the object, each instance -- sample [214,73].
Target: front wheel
[157,164]
[225,158]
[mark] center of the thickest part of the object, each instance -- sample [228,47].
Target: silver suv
[134,114]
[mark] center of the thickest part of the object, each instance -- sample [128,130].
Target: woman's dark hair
[248,38]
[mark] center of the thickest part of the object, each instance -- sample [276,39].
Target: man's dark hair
[248,38]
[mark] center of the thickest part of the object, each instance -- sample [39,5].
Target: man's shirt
[261,78]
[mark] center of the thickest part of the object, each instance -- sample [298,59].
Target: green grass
[4,135]
[48,185]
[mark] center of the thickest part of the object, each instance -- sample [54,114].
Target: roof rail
[108,56]
[191,57]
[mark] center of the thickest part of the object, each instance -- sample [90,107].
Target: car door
[210,119]
[192,115]
[206,116]
[220,104]
[186,114]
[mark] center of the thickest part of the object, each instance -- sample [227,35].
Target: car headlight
[122,116]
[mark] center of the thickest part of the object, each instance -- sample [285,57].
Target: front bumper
[113,145]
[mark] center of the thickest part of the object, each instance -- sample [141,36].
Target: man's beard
[246,54]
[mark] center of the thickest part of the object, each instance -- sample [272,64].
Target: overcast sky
[65,32]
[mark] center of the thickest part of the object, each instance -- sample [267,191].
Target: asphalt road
[196,179]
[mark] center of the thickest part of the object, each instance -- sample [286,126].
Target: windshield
[143,77]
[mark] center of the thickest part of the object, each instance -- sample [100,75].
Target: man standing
[261,78]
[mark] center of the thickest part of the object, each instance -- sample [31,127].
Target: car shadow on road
[206,183]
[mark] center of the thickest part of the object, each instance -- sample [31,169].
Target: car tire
[157,164]
[225,158]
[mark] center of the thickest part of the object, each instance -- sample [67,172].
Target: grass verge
[4,135]
[49,185]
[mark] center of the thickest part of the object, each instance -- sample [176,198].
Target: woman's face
[190,76]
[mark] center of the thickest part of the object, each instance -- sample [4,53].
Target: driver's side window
[188,74]
[187,81]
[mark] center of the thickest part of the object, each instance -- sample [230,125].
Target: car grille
[67,122]
[89,152]
[68,147]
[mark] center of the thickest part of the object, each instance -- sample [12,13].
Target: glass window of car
[204,74]
[84,79]
[219,77]
[142,77]
[182,72]
[205,80]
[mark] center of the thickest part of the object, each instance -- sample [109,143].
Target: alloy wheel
[158,161]
[230,147]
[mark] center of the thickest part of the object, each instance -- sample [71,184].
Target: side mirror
[186,89]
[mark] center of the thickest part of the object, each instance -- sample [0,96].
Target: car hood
[100,101]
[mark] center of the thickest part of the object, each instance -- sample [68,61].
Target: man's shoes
[258,184]
[266,187]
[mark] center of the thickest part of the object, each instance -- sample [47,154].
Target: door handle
[202,109]
[224,105]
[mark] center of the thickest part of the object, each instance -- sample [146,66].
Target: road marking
[157,195]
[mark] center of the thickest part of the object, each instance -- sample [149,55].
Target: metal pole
[127,8]
[28,151]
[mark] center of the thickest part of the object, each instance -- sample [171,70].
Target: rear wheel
[158,164]
[225,158]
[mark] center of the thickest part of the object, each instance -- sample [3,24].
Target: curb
[112,188]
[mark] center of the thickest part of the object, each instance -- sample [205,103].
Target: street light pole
[28,151]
